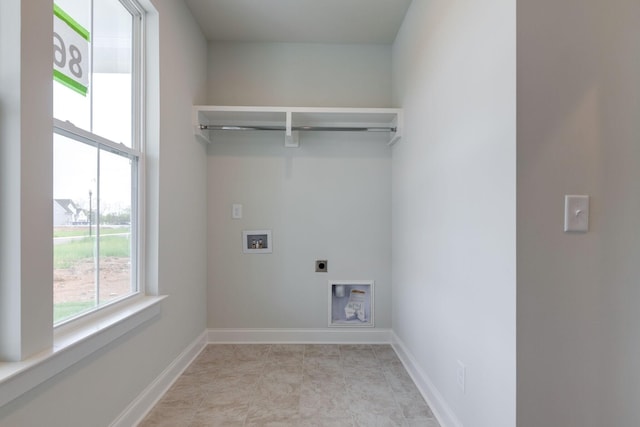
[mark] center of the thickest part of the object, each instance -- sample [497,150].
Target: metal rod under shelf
[301,128]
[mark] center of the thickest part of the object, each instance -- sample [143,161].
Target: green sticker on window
[70,52]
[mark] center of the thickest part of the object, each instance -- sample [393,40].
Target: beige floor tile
[321,350]
[318,368]
[326,421]
[328,373]
[214,422]
[413,406]
[281,408]
[291,362]
[320,411]
[387,418]
[273,388]
[292,421]
[279,394]
[352,362]
[385,354]
[314,385]
[333,380]
[345,348]
[230,411]
[215,352]
[251,352]
[399,380]
[373,403]
[244,381]
[285,349]
[431,422]
[322,401]
[291,375]
[322,361]
[162,416]
[244,367]
[327,385]
[365,378]
[237,396]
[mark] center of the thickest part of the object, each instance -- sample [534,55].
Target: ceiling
[300,21]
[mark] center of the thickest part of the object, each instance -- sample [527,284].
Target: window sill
[74,342]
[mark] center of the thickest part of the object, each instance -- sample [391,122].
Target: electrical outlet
[321,266]
[461,376]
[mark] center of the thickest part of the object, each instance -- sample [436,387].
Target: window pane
[112,70]
[116,244]
[92,213]
[95,183]
[106,109]
[69,105]
[74,229]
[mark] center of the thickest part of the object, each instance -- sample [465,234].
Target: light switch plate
[236,211]
[576,213]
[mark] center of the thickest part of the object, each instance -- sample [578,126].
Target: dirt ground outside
[77,283]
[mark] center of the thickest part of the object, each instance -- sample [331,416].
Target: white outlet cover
[576,213]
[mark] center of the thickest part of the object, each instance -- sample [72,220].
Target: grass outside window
[75,275]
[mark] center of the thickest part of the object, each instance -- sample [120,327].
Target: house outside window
[97,154]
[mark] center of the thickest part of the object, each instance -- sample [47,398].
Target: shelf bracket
[201,135]
[397,124]
[291,137]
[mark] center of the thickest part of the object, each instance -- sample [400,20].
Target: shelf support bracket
[201,135]
[398,124]
[291,137]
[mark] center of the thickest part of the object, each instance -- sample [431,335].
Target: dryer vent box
[321,266]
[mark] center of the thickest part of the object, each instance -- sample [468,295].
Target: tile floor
[293,385]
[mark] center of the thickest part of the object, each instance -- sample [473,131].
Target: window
[97,154]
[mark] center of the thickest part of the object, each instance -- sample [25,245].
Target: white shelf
[290,118]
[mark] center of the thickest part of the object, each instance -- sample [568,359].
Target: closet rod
[301,128]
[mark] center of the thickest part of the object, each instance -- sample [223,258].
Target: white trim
[283,110]
[71,131]
[70,347]
[301,336]
[443,413]
[141,405]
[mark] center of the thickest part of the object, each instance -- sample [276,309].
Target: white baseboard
[446,417]
[138,409]
[301,336]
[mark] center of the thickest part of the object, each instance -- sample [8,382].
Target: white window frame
[136,151]
[50,353]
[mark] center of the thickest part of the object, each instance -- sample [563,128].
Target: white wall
[95,391]
[454,206]
[620,149]
[329,199]
[578,131]
[299,74]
